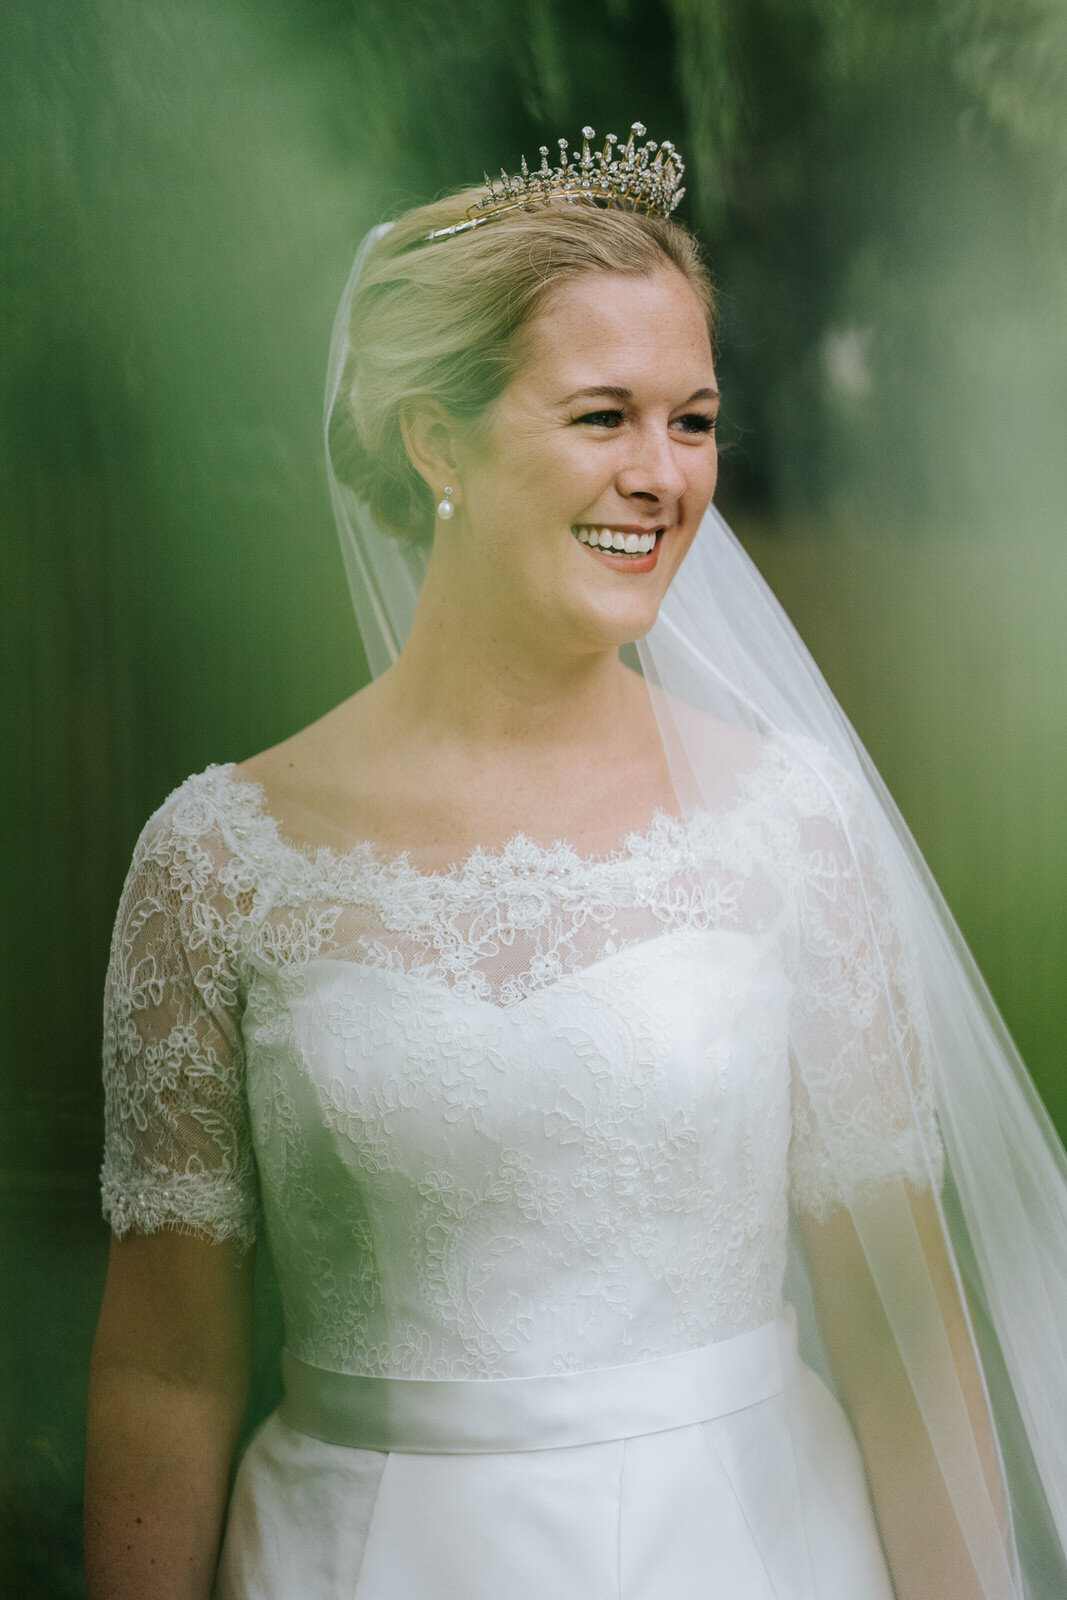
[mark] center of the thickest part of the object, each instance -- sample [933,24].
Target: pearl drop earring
[445,508]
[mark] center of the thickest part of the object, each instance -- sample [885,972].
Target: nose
[652,472]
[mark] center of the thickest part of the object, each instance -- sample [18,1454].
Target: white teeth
[631,544]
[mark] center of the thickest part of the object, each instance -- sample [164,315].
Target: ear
[431,440]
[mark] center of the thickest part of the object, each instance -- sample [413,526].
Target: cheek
[709,471]
[685,536]
[682,547]
[579,472]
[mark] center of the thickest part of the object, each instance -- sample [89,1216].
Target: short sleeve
[177,1149]
[864,1109]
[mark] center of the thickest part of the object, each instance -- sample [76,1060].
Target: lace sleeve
[863,1099]
[177,1148]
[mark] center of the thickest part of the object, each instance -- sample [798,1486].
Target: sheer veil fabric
[933,1289]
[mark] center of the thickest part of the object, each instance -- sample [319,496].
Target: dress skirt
[763,1498]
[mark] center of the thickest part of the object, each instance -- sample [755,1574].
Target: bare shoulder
[726,747]
[305,758]
[328,778]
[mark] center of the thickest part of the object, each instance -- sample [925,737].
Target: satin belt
[461,1416]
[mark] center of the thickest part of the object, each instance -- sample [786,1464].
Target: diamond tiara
[638,177]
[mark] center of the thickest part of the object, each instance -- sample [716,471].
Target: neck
[463,676]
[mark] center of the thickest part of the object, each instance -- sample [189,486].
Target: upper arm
[864,1110]
[180,1308]
[178,1150]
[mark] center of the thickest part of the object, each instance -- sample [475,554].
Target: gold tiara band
[635,177]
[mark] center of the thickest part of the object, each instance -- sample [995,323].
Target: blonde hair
[441,322]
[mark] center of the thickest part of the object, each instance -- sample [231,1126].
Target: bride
[659,1208]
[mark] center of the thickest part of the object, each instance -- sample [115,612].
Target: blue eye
[695,422]
[602,419]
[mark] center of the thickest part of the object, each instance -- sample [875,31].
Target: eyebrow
[615,393]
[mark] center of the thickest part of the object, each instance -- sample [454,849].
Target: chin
[608,630]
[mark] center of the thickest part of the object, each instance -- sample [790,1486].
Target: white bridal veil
[933,1291]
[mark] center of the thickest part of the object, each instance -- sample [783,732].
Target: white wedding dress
[523,1136]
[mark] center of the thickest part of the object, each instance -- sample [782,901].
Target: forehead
[608,320]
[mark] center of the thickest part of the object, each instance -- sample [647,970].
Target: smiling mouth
[614,540]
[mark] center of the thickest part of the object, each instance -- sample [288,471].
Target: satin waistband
[471,1416]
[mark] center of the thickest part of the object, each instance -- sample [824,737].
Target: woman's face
[607,431]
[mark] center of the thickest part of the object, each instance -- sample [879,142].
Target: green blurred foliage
[880,185]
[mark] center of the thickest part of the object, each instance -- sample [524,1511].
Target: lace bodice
[534,1113]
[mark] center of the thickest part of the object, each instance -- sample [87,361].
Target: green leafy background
[880,186]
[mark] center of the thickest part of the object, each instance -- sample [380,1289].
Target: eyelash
[704,423]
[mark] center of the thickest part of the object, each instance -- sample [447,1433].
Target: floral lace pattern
[535,1113]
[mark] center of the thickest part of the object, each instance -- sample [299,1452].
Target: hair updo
[440,322]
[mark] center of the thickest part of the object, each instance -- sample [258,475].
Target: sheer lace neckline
[518,855]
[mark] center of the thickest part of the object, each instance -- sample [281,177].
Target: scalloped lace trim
[666,845]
